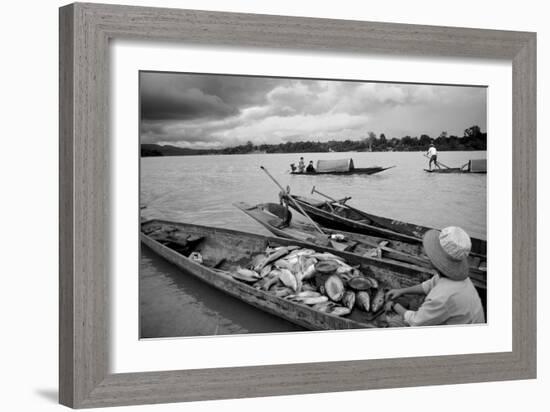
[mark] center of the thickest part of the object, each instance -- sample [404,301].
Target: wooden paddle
[315,225]
[437,162]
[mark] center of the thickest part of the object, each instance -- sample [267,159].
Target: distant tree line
[473,139]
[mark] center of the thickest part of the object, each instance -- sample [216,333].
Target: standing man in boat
[283,200]
[432,154]
[451,298]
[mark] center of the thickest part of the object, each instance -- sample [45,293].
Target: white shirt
[432,151]
[448,302]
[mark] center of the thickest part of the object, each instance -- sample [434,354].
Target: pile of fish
[321,280]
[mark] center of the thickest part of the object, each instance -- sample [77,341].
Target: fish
[294,265]
[305,294]
[362,300]
[343,266]
[360,283]
[302,264]
[281,292]
[288,279]
[324,306]
[305,268]
[245,275]
[301,252]
[334,288]
[340,311]
[269,250]
[308,286]
[346,277]
[267,282]
[265,271]
[373,281]
[348,300]
[378,300]
[314,300]
[256,260]
[344,270]
[309,272]
[282,264]
[306,262]
[271,258]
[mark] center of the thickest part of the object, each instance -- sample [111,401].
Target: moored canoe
[223,251]
[271,216]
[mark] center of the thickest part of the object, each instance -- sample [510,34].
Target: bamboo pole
[341,201]
[294,202]
[437,162]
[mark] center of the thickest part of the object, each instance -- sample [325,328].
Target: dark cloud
[175,96]
[196,110]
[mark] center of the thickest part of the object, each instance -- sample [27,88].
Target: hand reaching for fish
[393,294]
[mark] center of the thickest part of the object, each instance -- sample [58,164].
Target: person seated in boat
[292,167]
[432,154]
[301,165]
[451,297]
[287,215]
[310,168]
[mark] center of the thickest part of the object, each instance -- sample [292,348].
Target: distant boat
[473,166]
[341,167]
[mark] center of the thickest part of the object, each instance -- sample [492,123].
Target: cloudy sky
[212,111]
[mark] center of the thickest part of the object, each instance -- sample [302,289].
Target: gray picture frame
[85,32]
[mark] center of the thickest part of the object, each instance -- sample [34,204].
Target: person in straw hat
[451,298]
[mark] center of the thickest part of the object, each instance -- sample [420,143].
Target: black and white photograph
[272,205]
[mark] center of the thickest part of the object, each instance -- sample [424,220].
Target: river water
[201,190]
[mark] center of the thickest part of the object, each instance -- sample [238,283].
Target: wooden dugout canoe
[355,171]
[343,217]
[478,166]
[447,170]
[270,215]
[223,250]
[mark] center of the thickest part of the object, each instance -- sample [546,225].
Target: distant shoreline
[307,153]
[474,142]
